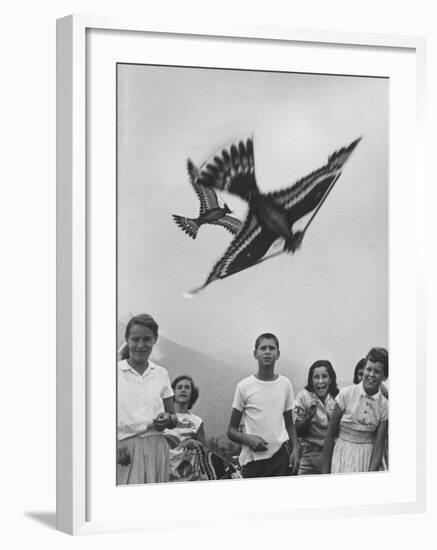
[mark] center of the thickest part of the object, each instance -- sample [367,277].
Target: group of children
[323,430]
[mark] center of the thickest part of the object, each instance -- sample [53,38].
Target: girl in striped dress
[357,431]
[313,408]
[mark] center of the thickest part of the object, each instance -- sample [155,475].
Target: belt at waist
[310,446]
[356,436]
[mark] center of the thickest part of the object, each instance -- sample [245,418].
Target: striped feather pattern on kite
[271,216]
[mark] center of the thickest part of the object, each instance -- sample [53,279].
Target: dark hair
[145,321]
[267,335]
[333,389]
[194,389]
[124,352]
[360,365]
[379,355]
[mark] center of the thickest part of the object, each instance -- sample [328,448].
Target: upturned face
[373,376]
[267,352]
[321,381]
[140,343]
[182,391]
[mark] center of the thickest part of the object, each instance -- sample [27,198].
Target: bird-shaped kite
[270,216]
[210,210]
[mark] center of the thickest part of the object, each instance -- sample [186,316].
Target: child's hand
[123,456]
[162,421]
[312,409]
[256,443]
[294,461]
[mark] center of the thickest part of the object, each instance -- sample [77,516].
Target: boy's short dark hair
[194,389]
[144,320]
[268,336]
[379,355]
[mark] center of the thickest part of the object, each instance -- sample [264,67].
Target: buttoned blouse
[140,398]
[320,421]
[361,411]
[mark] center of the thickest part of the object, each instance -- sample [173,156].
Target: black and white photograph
[252,274]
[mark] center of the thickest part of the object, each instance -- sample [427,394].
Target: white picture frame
[76,243]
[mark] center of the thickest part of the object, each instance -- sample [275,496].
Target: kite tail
[189,225]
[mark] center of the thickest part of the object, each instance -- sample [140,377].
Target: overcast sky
[330,299]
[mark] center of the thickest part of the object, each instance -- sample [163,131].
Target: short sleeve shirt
[361,411]
[320,420]
[140,397]
[263,404]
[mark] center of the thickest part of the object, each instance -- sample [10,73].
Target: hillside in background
[215,376]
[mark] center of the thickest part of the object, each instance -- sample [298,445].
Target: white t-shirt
[140,398]
[263,404]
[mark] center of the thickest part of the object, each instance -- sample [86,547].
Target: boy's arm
[291,430]
[378,447]
[255,442]
[331,435]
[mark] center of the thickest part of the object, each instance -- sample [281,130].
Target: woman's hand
[191,443]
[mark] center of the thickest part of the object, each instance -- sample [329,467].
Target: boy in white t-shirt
[263,403]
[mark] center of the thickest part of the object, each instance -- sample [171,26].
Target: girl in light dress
[189,426]
[313,408]
[187,438]
[357,431]
[144,406]
[358,376]
[190,458]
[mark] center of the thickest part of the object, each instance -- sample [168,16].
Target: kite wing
[206,195]
[233,225]
[250,244]
[305,195]
[231,170]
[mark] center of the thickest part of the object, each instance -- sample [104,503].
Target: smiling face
[267,352]
[321,381]
[182,391]
[373,376]
[140,343]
